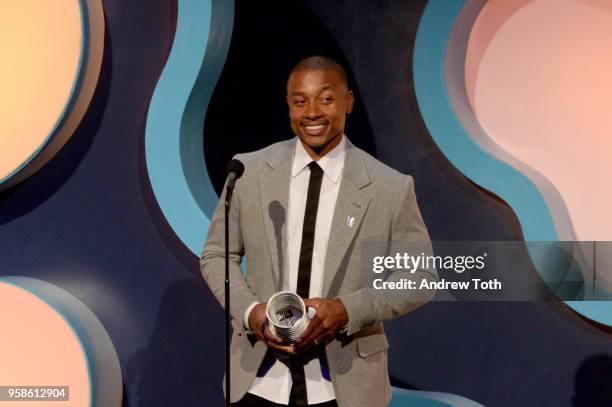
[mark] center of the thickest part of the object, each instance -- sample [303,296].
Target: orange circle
[38,347]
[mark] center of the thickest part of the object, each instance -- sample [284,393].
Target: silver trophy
[287,316]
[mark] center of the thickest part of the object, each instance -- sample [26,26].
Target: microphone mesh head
[236,167]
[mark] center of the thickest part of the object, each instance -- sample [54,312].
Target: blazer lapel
[274,196]
[350,209]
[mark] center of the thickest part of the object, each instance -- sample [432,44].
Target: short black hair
[320,63]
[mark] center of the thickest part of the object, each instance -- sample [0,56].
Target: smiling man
[319,100]
[299,214]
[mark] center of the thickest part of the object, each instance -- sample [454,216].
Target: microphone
[235,169]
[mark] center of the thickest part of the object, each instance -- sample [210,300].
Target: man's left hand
[330,318]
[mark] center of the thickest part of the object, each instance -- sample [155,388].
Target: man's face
[318,103]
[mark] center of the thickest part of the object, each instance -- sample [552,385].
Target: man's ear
[350,99]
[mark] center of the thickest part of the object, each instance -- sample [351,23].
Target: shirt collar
[331,163]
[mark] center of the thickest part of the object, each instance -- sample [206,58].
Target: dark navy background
[88,221]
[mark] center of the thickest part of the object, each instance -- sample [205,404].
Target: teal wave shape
[420,398]
[175,120]
[468,157]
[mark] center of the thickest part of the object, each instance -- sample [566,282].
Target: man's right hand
[258,323]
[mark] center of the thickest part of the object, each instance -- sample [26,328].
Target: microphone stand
[234,171]
[228,199]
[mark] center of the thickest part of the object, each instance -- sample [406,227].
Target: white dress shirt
[276,384]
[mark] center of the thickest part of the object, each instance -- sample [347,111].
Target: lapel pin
[350,221]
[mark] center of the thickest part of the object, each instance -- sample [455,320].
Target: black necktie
[298,389]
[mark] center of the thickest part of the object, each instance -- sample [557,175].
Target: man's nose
[312,111]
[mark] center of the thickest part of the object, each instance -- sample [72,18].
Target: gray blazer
[383,204]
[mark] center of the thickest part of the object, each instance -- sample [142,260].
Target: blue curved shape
[444,126]
[102,361]
[76,86]
[456,144]
[418,398]
[175,121]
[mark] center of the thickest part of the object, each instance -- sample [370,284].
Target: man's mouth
[314,129]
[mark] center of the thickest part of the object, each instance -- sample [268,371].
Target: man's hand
[330,318]
[259,325]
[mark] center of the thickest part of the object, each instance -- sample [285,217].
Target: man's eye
[328,99]
[300,102]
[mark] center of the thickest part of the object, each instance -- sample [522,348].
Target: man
[300,214]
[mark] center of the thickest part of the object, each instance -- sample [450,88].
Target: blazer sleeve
[368,305]
[212,260]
